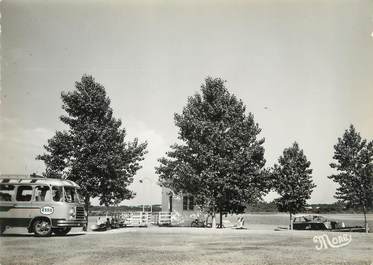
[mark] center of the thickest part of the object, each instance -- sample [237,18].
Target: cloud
[156,142]
[14,132]
[149,190]
[20,146]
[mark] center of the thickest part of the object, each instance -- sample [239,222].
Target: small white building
[182,207]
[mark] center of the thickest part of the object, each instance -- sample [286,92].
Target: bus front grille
[80,213]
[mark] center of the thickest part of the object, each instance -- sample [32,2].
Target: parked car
[315,222]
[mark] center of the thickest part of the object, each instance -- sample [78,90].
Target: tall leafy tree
[354,165]
[92,151]
[292,181]
[219,159]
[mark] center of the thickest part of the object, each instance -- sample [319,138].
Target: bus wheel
[61,231]
[42,227]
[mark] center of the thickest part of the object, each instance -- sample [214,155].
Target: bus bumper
[69,223]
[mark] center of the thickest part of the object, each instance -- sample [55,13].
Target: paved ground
[155,245]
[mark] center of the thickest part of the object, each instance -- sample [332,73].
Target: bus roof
[36,181]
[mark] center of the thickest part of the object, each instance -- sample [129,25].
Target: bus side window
[42,193]
[7,193]
[24,193]
[57,194]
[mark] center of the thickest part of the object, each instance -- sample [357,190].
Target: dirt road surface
[155,245]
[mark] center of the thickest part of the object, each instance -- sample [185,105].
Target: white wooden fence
[143,219]
[162,218]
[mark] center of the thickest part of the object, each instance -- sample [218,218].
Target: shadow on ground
[32,235]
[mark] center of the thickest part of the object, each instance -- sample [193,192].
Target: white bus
[42,205]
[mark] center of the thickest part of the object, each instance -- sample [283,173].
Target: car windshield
[71,195]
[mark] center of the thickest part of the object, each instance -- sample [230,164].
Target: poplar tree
[93,152]
[354,165]
[220,156]
[292,181]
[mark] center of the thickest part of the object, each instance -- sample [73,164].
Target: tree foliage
[219,159]
[354,165]
[293,180]
[92,151]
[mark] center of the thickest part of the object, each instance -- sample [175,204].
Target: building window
[188,203]
[191,203]
[185,202]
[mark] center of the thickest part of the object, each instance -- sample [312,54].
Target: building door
[170,202]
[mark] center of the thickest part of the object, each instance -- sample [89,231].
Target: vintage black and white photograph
[186,132]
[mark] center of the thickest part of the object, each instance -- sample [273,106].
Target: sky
[303,68]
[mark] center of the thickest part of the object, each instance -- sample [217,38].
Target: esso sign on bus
[47,210]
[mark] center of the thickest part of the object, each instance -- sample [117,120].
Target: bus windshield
[71,195]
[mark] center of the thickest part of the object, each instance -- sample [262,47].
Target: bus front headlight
[72,213]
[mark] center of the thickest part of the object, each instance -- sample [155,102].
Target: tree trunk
[221,218]
[213,220]
[86,206]
[291,221]
[207,220]
[365,219]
